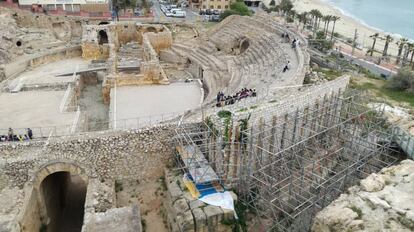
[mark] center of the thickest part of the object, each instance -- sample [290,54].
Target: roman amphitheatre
[143,126]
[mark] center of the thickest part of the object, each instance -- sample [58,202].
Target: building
[218,4]
[74,6]
[210,4]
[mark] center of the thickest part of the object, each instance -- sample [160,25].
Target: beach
[346,25]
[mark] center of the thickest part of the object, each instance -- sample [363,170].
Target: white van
[178,13]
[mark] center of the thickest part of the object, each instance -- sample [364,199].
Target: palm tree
[327,25]
[388,40]
[374,37]
[334,19]
[401,44]
[326,19]
[303,18]
[410,47]
[316,15]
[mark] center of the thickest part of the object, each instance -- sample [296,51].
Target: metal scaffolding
[288,166]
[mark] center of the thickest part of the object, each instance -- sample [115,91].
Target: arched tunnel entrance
[64,197]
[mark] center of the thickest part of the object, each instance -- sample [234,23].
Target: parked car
[215,18]
[178,13]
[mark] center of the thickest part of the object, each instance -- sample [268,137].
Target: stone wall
[64,28]
[160,40]
[139,154]
[186,214]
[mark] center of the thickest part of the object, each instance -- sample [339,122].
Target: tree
[401,44]
[410,49]
[316,15]
[236,8]
[303,18]
[388,40]
[334,19]
[286,6]
[326,19]
[403,81]
[374,37]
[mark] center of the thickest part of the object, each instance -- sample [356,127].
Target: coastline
[347,24]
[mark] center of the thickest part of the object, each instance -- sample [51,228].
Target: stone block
[180,206]
[186,222]
[214,216]
[200,220]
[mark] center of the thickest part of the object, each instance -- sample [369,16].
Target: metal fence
[405,140]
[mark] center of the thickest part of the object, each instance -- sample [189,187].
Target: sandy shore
[346,25]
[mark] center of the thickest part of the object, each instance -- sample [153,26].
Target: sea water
[390,16]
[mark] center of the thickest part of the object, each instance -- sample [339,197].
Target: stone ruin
[285,154]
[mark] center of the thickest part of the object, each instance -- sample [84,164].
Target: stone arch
[244,45]
[57,166]
[151,29]
[50,182]
[102,37]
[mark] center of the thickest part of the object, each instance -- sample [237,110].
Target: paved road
[159,16]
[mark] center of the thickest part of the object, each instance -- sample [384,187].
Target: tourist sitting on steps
[287,67]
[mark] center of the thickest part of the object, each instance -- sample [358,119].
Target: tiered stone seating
[261,63]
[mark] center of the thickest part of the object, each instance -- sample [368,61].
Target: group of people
[295,42]
[286,67]
[223,100]
[15,137]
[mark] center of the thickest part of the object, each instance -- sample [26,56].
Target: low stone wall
[21,64]
[138,154]
[185,214]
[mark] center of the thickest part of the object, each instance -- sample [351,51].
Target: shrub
[236,8]
[403,81]
[224,114]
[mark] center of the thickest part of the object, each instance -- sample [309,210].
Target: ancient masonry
[284,155]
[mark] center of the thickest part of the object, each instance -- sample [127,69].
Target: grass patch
[253,107]
[329,74]
[243,110]
[399,96]
[224,114]
[357,210]
[382,91]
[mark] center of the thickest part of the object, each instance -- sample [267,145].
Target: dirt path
[150,197]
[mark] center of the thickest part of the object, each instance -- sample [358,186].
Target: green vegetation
[43,228]
[236,8]
[224,114]
[398,96]
[357,210]
[407,222]
[240,224]
[118,186]
[243,110]
[403,81]
[144,224]
[227,123]
[329,74]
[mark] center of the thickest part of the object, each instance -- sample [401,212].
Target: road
[159,16]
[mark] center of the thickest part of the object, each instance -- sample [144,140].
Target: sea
[390,16]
